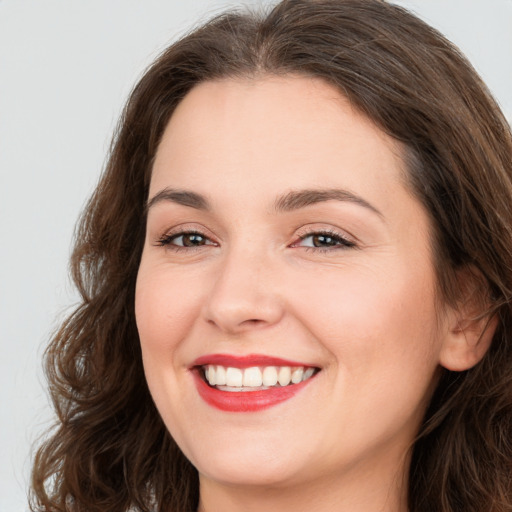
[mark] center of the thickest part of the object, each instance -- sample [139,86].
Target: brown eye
[185,240]
[325,241]
[190,240]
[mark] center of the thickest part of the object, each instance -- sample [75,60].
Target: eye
[185,240]
[324,240]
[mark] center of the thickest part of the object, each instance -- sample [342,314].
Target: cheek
[165,309]
[369,299]
[380,326]
[382,335]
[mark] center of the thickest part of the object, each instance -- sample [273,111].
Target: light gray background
[66,67]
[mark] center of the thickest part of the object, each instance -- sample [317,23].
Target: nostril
[254,322]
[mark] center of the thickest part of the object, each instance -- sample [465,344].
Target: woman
[297,279]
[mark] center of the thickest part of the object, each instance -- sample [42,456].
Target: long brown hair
[110,450]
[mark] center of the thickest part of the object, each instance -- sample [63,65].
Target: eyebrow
[294,200]
[183,197]
[297,199]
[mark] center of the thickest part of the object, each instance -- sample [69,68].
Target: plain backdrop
[66,68]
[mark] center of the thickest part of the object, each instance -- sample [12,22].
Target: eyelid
[167,240]
[164,240]
[318,227]
[347,241]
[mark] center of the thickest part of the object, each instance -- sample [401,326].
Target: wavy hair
[110,451]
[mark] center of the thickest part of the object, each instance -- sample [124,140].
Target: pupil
[192,240]
[323,240]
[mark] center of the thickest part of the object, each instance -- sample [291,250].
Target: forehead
[285,131]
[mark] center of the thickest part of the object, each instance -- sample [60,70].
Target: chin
[251,466]
[241,474]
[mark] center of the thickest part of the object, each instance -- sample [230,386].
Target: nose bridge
[243,294]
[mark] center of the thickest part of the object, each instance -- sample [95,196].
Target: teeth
[308,373]
[211,376]
[255,377]
[252,377]
[297,375]
[220,376]
[285,375]
[234,377]
[270,376]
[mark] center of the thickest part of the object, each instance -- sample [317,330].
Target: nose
[244,294]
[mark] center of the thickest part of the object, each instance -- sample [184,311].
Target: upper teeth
[256,377]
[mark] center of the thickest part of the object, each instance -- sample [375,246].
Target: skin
[367,315]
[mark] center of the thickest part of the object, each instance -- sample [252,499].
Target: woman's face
[281,241]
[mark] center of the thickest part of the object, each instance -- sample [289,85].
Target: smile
[255,378]
[249,383]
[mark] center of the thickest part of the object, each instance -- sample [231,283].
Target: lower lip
[246,401]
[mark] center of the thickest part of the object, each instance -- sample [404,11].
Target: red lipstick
[245,361]
[245,401]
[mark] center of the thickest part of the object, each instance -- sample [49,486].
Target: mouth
[254,378]
[249,383]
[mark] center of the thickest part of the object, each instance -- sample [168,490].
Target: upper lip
[246,361]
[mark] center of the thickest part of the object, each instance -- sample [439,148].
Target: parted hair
[109,450]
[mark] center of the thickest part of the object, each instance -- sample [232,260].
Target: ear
[470,328]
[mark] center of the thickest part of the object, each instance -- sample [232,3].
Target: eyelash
[341,241]
[166,240]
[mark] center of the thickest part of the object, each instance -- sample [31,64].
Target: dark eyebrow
[301,198]
[293,200]
[183,197]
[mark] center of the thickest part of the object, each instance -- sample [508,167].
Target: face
[283,244]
